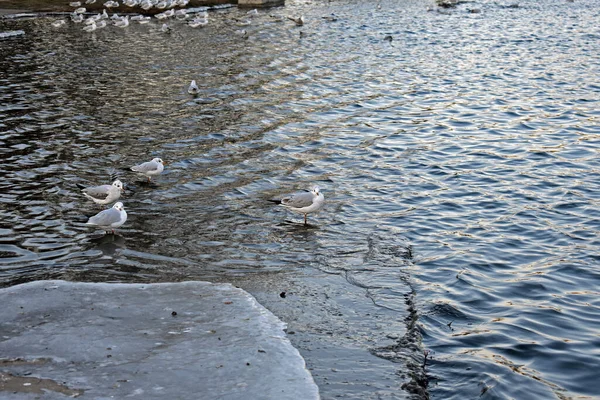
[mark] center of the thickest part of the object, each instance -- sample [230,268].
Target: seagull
[252,13]
[299,21]
[303,202]
[197,23]
[109,219]
[101,24]
[165,28]
[90,27]
[150,168]
[123,22]
[75,4]
[77,18]
[193,89]
[104,194]
[59,23]
[80,10]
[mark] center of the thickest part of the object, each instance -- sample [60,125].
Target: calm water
[459,163]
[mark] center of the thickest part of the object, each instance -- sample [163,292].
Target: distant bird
[77,18]
[303,202]
[165,28]
[198,23]
[299,20]
[75,4]
[150,168]
[193,88]
[80,10]
[123,22]
[104,194]
[59,23]
[90,1]
[109,219]
[90,27]
[146,5]
[252,13]
[111,4]
[101,24]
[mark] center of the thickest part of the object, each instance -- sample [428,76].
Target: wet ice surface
[150,341]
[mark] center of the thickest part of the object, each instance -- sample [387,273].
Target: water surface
[459,164]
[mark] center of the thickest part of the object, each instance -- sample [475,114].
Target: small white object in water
[303,202]
[146,5]
[11,33]
[59,23]
[75,4]
[150,168]
[109,219]
[252,13]
[193,88]
[90,28]
[77,18]
[198,23]
[123,22]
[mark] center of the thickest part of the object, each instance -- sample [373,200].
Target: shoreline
[9,7]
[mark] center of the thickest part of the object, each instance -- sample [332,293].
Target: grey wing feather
[145,167]
[97,191]
[106,217]
[298,200]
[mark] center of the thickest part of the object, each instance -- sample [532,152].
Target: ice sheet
[190,340]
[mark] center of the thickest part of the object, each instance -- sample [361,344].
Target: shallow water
[458,161]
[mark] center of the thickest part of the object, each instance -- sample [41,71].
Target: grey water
[459,163]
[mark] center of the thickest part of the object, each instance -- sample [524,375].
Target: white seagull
[303,202]
[104,194]
[109,219]
[150,168]
[193,88]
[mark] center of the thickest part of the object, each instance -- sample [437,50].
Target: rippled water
[459,163]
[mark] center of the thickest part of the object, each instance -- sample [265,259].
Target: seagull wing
[98,192]
[298,200]
[146,167]
[105,218]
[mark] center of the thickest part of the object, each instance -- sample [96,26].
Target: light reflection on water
[461,159]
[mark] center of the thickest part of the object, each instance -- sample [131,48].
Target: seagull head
[118,206]
[118,184]
[315,190]
[158,160]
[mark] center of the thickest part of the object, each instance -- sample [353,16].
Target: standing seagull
[109,219]
[104,194]
[303,202]
[150,168]
[193,88]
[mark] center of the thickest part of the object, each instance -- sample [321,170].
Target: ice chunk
[186,340]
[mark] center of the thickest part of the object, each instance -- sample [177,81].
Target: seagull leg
[305,219]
